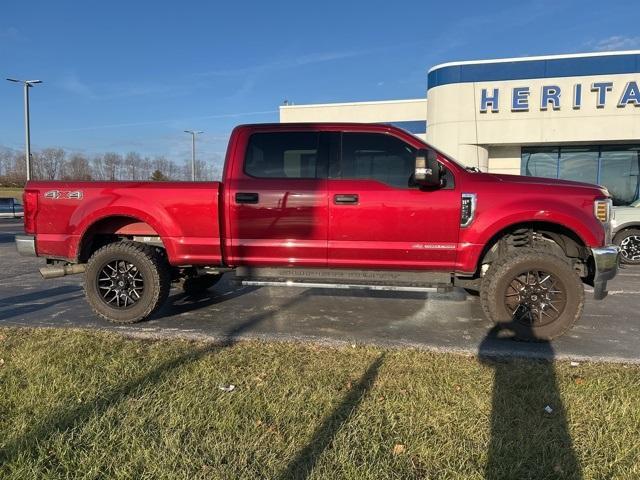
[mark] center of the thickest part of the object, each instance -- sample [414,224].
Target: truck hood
[551,182]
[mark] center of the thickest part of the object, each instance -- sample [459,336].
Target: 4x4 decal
[66,195]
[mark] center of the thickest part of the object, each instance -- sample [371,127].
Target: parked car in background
[626,230]
[10,208]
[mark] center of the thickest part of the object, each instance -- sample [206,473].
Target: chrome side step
[344,286]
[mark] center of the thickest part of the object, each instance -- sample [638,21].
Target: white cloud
[615,42]
[289,62]
[104,91]
[72,84]
[176,121]
[10,33]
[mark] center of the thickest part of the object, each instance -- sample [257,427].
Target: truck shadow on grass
[526,441]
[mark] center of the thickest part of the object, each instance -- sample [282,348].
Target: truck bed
[184,215]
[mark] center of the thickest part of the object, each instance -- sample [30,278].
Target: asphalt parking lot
[609,330]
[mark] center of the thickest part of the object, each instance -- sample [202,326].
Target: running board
[343,286]
[394,280]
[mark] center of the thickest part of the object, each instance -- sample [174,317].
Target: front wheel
[536,295]
[125,282]
[629,243]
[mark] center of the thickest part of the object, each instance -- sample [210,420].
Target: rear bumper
[26,245]
[606,260]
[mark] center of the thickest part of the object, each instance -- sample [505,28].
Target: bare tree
[97,168]
[145,168]
[55,163]
[77,168]
[49,163]
[112,165]
[132,165]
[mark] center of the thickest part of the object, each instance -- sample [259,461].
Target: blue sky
[132,75]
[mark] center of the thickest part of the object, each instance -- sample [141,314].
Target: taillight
[30,201]
[602,209]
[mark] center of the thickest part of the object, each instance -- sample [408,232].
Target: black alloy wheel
[125,282]
[120,284]
[535,298]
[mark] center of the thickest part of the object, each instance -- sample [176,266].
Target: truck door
[278,203]
[377,219]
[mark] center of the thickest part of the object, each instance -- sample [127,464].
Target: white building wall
[392,111]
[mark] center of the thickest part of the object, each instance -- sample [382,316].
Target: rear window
[282,155]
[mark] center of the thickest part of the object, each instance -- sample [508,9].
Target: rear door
[278,200]
[377,219]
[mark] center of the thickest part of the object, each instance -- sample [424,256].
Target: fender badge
[57,195]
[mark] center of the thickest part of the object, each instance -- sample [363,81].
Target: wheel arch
[108,229]
[626,226]
[565,238]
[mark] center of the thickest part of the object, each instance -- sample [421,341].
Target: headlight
[602,209]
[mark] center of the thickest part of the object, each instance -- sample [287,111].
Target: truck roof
[323,126]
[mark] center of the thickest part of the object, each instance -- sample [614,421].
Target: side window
[375,156]
[6,205]
[283,155]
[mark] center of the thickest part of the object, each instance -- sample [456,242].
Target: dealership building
[574,117]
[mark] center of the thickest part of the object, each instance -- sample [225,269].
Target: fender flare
[157,218]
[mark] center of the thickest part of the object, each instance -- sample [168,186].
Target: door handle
[245,197]
[345,199]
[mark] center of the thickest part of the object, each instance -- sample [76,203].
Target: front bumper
[606,261]
[26,245]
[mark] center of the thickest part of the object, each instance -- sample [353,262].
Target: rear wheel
[536,295]
[629,243]
[125,282]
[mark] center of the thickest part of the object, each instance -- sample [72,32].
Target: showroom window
[614,166]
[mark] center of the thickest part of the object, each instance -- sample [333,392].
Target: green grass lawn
[11,192]
[95,405]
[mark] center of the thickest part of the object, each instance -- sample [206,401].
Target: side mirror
[427,171]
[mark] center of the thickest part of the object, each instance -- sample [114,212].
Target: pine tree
[158,176]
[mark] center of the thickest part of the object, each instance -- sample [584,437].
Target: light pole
[193,134]
[27,128]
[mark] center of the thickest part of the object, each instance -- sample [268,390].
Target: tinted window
[282,155]
[376,156]
[6,205]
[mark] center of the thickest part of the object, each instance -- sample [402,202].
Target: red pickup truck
[332,205]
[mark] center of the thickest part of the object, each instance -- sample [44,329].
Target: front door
[377,219]
[278,201]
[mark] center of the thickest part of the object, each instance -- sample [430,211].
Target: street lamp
[27,128]
[193,134]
